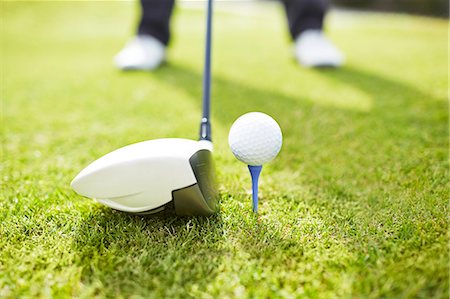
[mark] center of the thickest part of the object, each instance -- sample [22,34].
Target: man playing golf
[146,51]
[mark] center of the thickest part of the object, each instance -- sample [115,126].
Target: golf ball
[255,138]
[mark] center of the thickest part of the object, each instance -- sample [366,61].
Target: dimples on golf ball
[255,138]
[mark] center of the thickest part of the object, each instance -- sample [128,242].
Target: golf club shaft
[205,126]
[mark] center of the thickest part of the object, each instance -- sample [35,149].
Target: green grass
[355,206]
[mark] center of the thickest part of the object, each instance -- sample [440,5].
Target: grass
[355,206]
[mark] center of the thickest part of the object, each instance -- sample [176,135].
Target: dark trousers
[301,15]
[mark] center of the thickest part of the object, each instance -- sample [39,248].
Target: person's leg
[147,50]
[312,47]
[304,15]
[155,19]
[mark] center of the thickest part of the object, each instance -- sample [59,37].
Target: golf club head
[171,174]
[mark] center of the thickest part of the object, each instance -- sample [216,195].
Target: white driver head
[151,176]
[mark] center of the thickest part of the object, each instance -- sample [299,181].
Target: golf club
[170,174]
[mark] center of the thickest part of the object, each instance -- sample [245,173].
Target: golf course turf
[354,206]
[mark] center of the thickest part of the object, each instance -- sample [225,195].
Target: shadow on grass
[230,98]
[237,98]
[404,113]
[385,90]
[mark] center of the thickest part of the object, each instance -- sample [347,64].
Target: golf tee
[254,172]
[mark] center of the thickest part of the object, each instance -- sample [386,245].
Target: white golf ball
[255,138]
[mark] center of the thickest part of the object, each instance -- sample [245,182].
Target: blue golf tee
[254,172]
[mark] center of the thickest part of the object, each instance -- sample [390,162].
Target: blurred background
[437,8]
[426,7]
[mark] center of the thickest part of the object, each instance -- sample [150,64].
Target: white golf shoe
[143,52]
[313,49]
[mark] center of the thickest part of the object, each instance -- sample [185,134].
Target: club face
[200,198]
[149,177]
